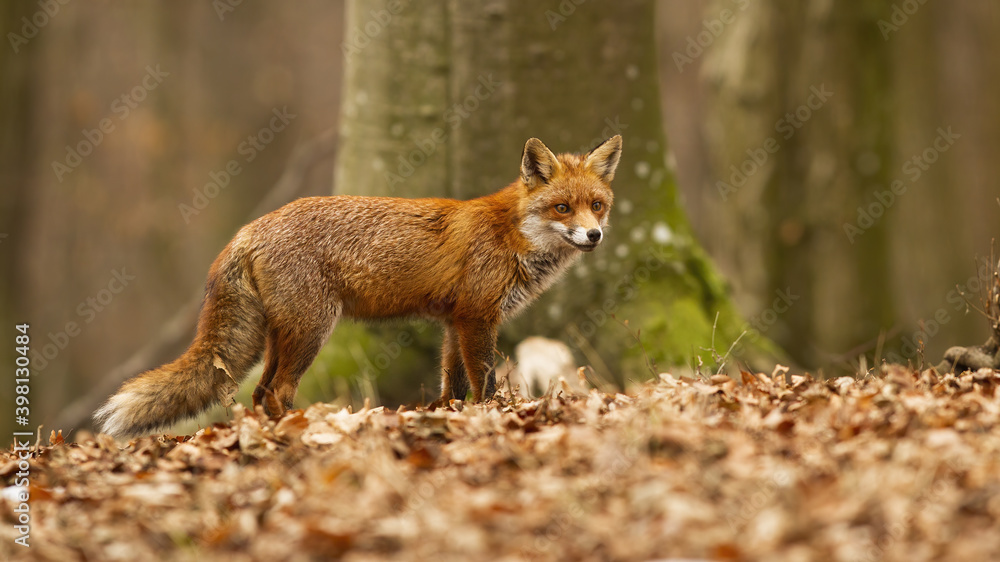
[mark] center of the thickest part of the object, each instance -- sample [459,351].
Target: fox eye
[562,208]
[597,206]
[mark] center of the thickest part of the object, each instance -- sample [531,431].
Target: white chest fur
[537,272]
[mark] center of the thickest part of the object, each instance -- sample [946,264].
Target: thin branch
[722,362]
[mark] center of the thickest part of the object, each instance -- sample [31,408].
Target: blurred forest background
[833,161]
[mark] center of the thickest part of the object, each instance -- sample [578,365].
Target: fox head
[569,196]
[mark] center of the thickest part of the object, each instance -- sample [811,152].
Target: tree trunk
[17,94]
[821,216]
[440,99]
[116,209]
[809,85]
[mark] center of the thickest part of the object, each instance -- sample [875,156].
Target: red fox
[279,287]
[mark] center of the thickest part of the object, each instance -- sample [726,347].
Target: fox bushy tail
[229,341]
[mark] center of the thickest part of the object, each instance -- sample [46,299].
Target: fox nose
[594,235]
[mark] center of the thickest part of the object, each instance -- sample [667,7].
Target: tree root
[959,359]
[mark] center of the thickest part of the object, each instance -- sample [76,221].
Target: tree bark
[116,209]
[813,81]
[873,268]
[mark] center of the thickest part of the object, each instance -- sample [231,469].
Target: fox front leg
[454,381]
[477,341]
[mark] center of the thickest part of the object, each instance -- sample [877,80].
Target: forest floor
[903,466]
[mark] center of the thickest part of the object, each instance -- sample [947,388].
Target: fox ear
[603,160]
[538,164]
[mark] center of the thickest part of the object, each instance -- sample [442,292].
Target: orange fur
[281,284]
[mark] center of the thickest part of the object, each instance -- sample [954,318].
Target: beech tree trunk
[847,213]
[439,100]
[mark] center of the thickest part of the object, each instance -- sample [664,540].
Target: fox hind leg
[295,352]
[260,393]
[454,380]
[491,384]
[291,349]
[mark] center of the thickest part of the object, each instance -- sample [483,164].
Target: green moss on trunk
[514,70]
